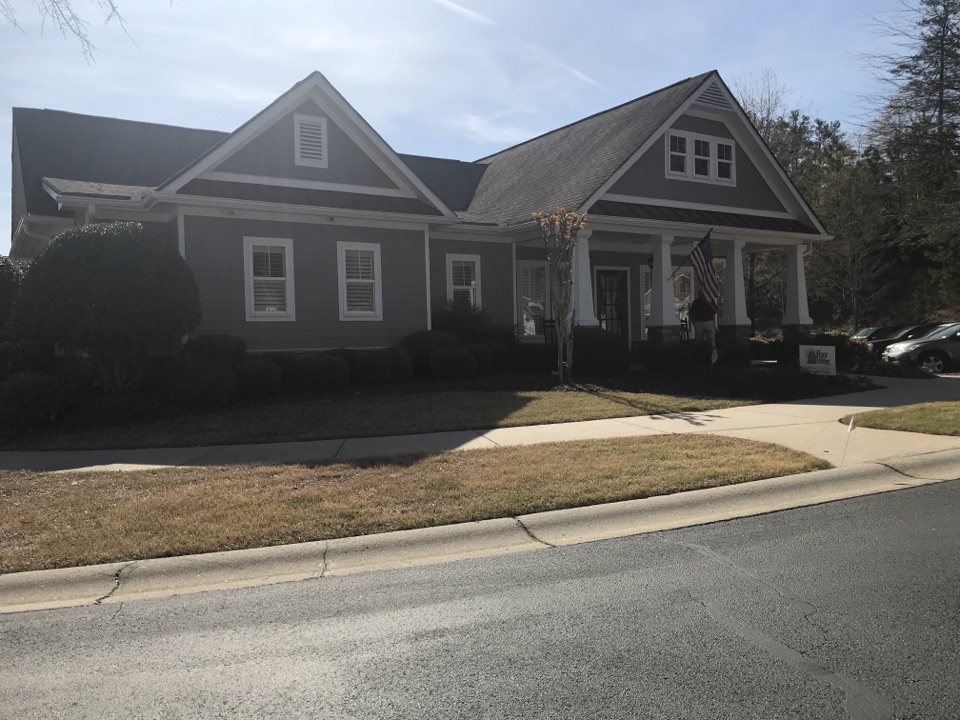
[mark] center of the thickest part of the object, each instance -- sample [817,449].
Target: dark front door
[612,306]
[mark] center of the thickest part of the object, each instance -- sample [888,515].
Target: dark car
[936,352]
[910,332]
[876,333]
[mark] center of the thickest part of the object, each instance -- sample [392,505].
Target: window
[310,140]
[700,157]
[358,274]
[463,280]
[534,298]
[268,278]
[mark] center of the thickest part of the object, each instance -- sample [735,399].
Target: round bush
[401,362]
[288,364]
[501,357]
[483,355]
[349,356]
[259,379]
[200,382]
[454,363]
[26,356]
[421,346]
[221,348]
[323,373]
[598,353]
[374,367]
[30,399]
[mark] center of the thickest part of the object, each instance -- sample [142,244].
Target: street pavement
[866,462]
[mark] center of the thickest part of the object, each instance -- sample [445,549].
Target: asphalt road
[845,610]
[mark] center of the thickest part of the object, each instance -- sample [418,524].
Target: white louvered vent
[714,97]
[310,141]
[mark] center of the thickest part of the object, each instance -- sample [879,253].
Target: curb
[138,580]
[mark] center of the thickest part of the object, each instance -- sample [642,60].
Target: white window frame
[298,158]
[713,144]
[290,313]
[342,282]
[475,259]
[548,305]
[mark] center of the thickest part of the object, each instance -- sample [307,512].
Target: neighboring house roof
[454,181]
[565,167]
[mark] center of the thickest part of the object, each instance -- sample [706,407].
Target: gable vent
[310,141]
[714,97]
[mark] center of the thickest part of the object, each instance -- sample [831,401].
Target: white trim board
[270,181]
[681,204]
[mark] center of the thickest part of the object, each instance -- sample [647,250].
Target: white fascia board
[697,230]
[614,197]
[304,184]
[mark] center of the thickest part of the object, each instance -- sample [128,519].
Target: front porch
[641,285]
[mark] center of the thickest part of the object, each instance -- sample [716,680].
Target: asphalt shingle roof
[566,166]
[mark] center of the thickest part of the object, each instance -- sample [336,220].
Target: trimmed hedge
[501,357]
[421,346]
[598,353]
[20,356]
[323,373]
[483,355]
[674,359]
[535,357]
[454,363]
[201,382]
[221,348]
[30,399]
[259,378]
[288,364]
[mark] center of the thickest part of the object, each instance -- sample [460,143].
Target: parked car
[910,332]
[875,333]
[936,352]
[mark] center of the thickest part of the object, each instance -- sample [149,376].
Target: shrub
[421,346]
[674,359]
[468,324]
[26,356]
[200,382]
[501,357]
[30,399]
[289,367]
[402,364]
[598,353]
[535,357]
[112,290]
[483,355]
[221,348]
[350,357]
[452,363]
[159,371]
[323,373]
[11,276]
[374,367]
[258,378]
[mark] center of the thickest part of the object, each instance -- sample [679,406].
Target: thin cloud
[485,130]
[464,12]
[548,58]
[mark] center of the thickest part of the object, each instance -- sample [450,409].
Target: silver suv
[935,352]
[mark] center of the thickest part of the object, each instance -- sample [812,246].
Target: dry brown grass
[79,518]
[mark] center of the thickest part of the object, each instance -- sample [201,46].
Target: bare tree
[560,229]
[62,16]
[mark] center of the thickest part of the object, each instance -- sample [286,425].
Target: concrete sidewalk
[874,461]
[808,425]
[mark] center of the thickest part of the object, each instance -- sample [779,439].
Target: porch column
[664,325]
[797,313]
[734,323]
[583,310]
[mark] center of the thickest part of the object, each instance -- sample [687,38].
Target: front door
[613,302]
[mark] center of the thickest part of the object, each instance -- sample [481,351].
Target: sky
[459,79]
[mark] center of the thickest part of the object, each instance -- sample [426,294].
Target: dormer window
[310,141]
[700,157]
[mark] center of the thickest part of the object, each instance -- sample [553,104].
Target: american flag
[702,260]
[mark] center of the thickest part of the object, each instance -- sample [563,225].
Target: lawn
[936,418]
[80,518]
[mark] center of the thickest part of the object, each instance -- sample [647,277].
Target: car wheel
[933,362]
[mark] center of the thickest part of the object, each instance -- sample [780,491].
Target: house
[305,230]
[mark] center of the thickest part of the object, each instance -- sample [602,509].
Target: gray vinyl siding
[214,251]
[272,155]
[496,276]
[647,177]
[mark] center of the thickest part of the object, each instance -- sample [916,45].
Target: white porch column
[584,313]
[734,310]
[797,311]
[664,325]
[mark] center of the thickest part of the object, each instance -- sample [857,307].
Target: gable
[648,177]
[272,154]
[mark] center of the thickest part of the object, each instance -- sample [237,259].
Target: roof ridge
[597,114]
[116,119]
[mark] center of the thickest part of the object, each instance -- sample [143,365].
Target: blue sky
[457,79]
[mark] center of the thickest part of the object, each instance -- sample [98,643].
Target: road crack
[532,536]
[116,583]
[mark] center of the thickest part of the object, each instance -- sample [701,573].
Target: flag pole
[680,265]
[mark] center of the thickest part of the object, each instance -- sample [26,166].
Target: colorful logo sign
[818,359]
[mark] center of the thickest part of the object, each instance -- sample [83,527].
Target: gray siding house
[305,230]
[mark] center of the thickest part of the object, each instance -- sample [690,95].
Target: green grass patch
[936,418]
